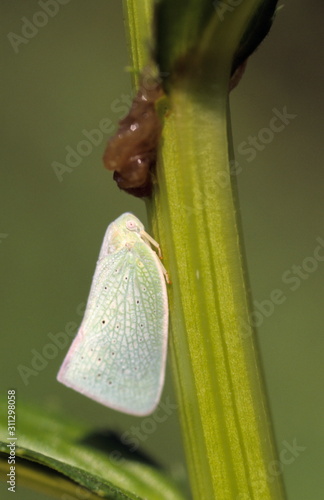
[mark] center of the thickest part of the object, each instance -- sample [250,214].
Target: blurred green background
[67,78]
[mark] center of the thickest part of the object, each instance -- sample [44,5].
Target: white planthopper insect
[118,355]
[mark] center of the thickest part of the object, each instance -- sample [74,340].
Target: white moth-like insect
[118,355]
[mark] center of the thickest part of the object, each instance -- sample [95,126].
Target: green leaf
[96,460]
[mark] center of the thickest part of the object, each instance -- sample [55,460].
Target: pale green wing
[118,356]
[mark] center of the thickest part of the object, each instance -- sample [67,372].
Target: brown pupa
[131,152]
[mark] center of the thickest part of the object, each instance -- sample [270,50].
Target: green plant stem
[224,418]
[223,412]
